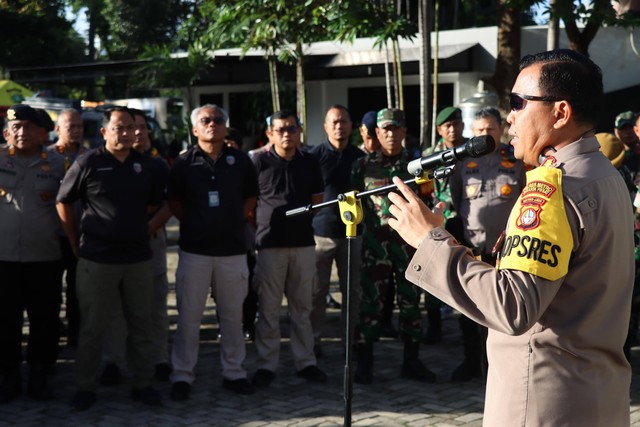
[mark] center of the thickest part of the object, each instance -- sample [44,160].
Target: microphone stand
[350,205]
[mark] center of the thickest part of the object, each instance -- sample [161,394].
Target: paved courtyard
[289,401]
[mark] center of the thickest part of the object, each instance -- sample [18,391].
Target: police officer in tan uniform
[483,191]
[29,255]
[557,307]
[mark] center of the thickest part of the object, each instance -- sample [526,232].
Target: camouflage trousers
[385,257]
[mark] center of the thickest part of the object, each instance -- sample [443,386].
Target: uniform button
[416,267]
[592,203]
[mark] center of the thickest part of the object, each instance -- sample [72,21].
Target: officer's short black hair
[106,114]
[571,76]
[281,115]
[489,112]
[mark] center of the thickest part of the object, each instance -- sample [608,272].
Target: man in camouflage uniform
[384,254]
[449,126]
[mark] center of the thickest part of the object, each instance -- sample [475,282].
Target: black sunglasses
[518,101]
[290,129]
[217,120]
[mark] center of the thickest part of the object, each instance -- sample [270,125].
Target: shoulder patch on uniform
[538,237]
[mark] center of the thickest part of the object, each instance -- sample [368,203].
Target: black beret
[23,112]
[45,121]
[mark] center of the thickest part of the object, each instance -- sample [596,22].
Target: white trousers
[290,272]
[227,278]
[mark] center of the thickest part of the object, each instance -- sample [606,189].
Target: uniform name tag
[214,199]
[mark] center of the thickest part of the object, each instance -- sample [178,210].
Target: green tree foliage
[125,28]
[35,33]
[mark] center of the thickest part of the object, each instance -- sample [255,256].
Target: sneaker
[83,400]
[147,395]
[312,374]
[239,386]
[162,372]
[180,391]
[262,378]
[111,375]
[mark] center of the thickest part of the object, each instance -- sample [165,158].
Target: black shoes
[180,391]
[432,336]
[239,386]
[465,372]
[312,374]
[83,400]
[37,387]
[111,375]
[11,386]
[147,395]
[364,369]
[262,378]
[331,303]
[414,369]
[387,330]
[317,350]
[163,371]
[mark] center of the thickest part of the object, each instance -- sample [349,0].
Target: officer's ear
[563,113]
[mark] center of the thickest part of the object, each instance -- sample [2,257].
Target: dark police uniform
[483,192]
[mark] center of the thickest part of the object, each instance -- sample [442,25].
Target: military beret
[44,121]
[23,112]
[611,147]
[369,121]
[447,114]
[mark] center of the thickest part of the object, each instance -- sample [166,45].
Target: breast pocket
[46,188]
[506,189]
[472,188]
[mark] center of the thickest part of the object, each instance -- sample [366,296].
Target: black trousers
[36,288]
[69,263]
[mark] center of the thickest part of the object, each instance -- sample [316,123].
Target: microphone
[475,147]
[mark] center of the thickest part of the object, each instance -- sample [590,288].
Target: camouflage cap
[625,118]
[390,116]
[23,112]
[448,114]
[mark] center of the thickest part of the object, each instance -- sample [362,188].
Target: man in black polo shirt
[116,188]
[212,191]
[336,155]
[285,258]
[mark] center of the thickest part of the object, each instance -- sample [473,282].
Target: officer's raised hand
[412,219]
